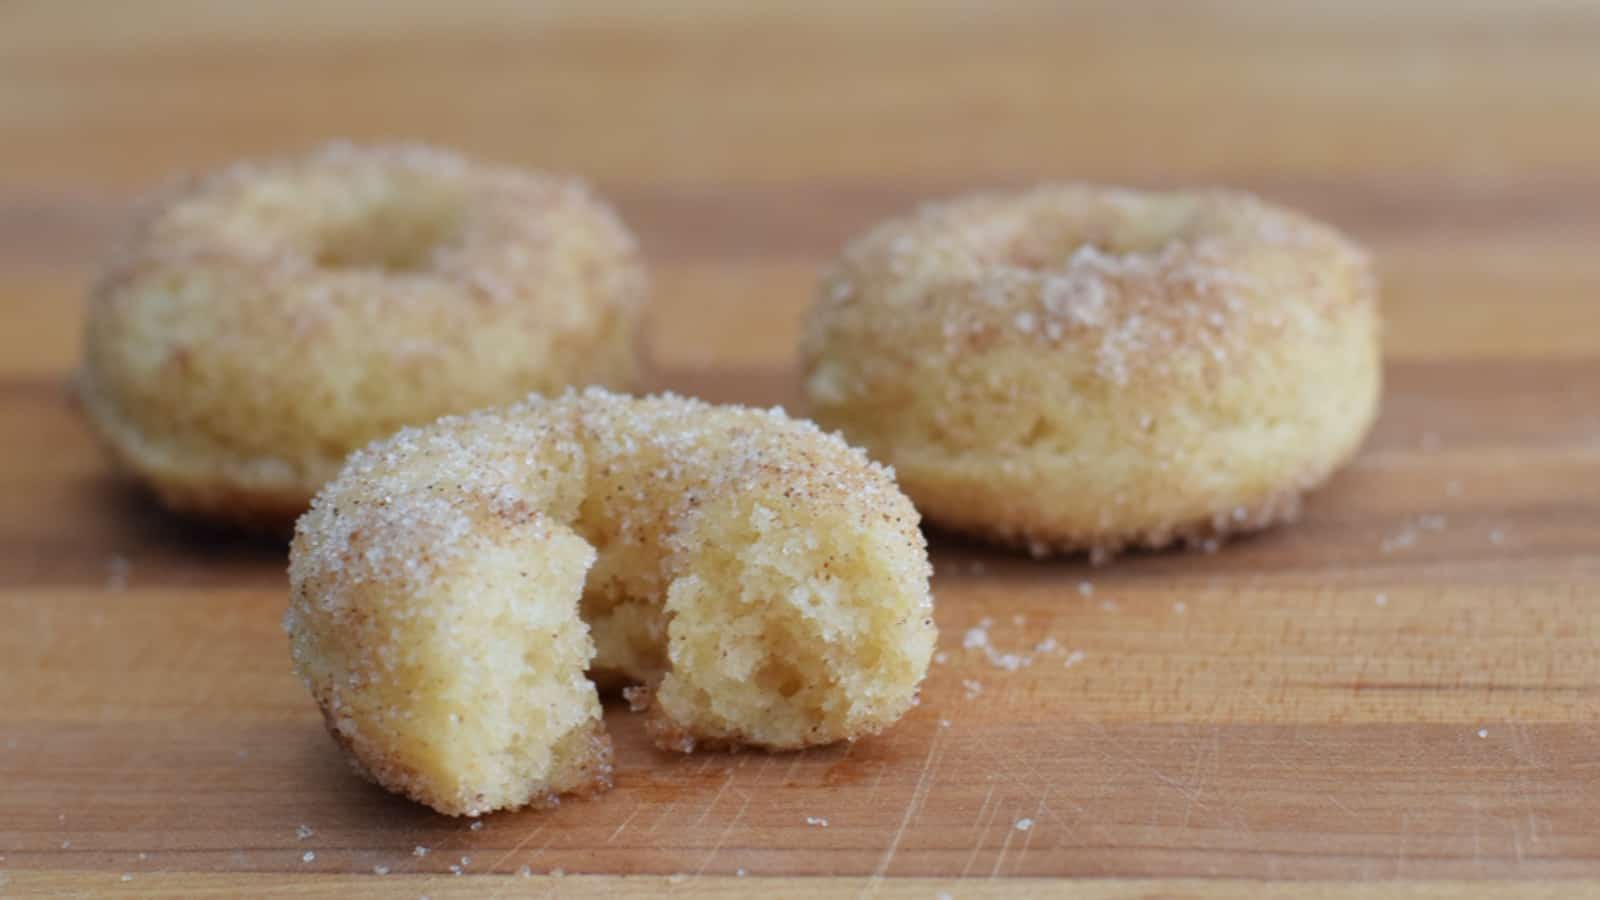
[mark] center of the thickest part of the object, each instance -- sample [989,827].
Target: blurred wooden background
[1404,686]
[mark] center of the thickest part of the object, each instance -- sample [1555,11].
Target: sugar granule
[116,573]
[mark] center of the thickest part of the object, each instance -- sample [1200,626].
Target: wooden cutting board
[1402,686]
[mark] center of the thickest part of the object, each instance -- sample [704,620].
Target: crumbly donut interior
[776,635]
[485,699]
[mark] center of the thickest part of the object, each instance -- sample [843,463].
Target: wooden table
[1403,686]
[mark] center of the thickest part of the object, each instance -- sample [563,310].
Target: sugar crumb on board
[1410,532]
[980,638]
[117,567]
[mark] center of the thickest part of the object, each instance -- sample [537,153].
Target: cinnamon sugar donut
[1079,368]
[268,319]
[763,582]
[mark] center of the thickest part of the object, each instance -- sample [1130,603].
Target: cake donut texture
[1078,368]
[457,588]
[266,320]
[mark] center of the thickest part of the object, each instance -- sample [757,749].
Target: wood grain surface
[1399,695]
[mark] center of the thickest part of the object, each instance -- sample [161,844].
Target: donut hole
[1049,236]
[396,236]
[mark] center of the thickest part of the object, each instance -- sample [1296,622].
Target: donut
[456,589]
[266,320]
[1078,368]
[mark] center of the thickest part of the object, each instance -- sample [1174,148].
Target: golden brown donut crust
[1080,368]
[265,320]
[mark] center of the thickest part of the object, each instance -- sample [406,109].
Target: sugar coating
[265,320]
[1082,368]
[457,587]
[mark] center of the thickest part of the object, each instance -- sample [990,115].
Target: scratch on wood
[919,796]
[723,837]
[625,823]
[983,831]
[1041,811]
[1000,858]
[1338,804]
[663,816]
[727,780]
[520,844]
